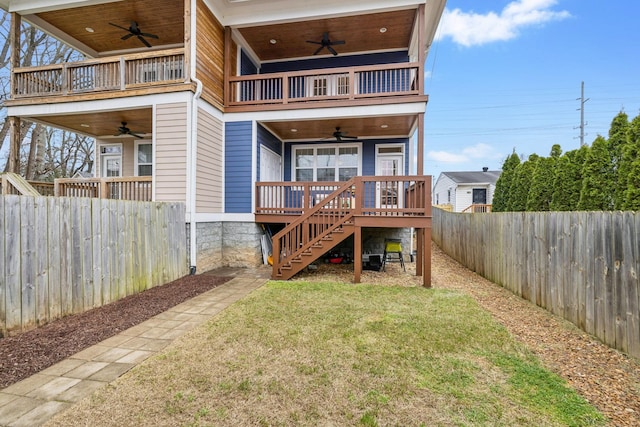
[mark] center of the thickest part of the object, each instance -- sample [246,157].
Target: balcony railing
[128,188]
[477,208]
[370,196]
[325,85]
[97,75]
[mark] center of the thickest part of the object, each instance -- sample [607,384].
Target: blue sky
[505,75]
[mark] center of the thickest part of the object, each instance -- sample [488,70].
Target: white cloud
[473,29]
[469,154]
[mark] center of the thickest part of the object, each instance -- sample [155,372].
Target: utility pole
[581,109]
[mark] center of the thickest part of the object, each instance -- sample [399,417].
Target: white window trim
[400,153]
[135,156]
[102,155]
[315,165]
[332,85]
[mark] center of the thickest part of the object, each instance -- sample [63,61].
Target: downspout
[193,247]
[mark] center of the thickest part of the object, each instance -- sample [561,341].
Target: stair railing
[329,213]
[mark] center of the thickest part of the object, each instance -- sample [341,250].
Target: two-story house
[303,118]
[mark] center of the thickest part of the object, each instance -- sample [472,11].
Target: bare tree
[41,149]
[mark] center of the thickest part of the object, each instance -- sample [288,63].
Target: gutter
[193,143]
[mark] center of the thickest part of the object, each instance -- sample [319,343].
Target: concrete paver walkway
[34,400]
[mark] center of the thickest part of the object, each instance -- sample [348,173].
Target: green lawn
[335,354]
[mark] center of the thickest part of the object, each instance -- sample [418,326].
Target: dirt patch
[30,352]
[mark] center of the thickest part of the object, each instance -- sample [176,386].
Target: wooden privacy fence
[582,266]
[63,255]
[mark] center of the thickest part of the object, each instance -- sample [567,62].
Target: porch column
[228,43]
[420,167]
[13,163]
[357,254]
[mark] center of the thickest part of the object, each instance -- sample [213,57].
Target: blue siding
[336,61]
[266,138]
[237,173]
[247,67]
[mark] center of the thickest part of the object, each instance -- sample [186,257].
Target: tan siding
[210,55]
[171,152]
[128,160]
[209,179]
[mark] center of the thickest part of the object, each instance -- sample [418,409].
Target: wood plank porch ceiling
[322,130]
[165,18]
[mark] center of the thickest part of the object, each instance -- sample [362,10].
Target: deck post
[419,251]
[357,254]
[426,276]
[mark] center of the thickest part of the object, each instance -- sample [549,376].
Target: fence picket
[583,266]
[3,289]
[67,255]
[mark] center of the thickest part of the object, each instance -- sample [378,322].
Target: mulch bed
[30,352]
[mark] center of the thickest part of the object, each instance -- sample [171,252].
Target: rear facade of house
[302,121]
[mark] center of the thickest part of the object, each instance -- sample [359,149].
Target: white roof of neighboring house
[473,177]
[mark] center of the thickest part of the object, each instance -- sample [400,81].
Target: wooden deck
[375,201]
[318,216]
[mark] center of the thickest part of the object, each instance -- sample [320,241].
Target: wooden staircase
[314,233]
[12,183]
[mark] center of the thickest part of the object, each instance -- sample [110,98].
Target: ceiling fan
[134,30]
[124,130]
[339,135]
[326,42]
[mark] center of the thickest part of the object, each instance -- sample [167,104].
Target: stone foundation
[226,244]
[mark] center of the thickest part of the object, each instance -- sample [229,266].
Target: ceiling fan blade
[318,51]
[311,41]
[118,26]
[337,42]
[136,135]
[349,137]
[146,43]
[332,50]
[151,36]
[126,37]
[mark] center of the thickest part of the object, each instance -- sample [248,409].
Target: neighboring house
[466,191]
[284,115]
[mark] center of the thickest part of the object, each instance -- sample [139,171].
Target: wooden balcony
[127,188]
[375,201]
[339,86]
[106,75]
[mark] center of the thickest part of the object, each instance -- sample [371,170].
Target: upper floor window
[326,163]
[331,85]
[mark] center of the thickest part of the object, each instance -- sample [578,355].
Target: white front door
[270,165]
[111,166]
[270,171]
[388,194]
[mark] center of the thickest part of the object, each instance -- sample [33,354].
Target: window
[328,85]
[144,159]
[326,163]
